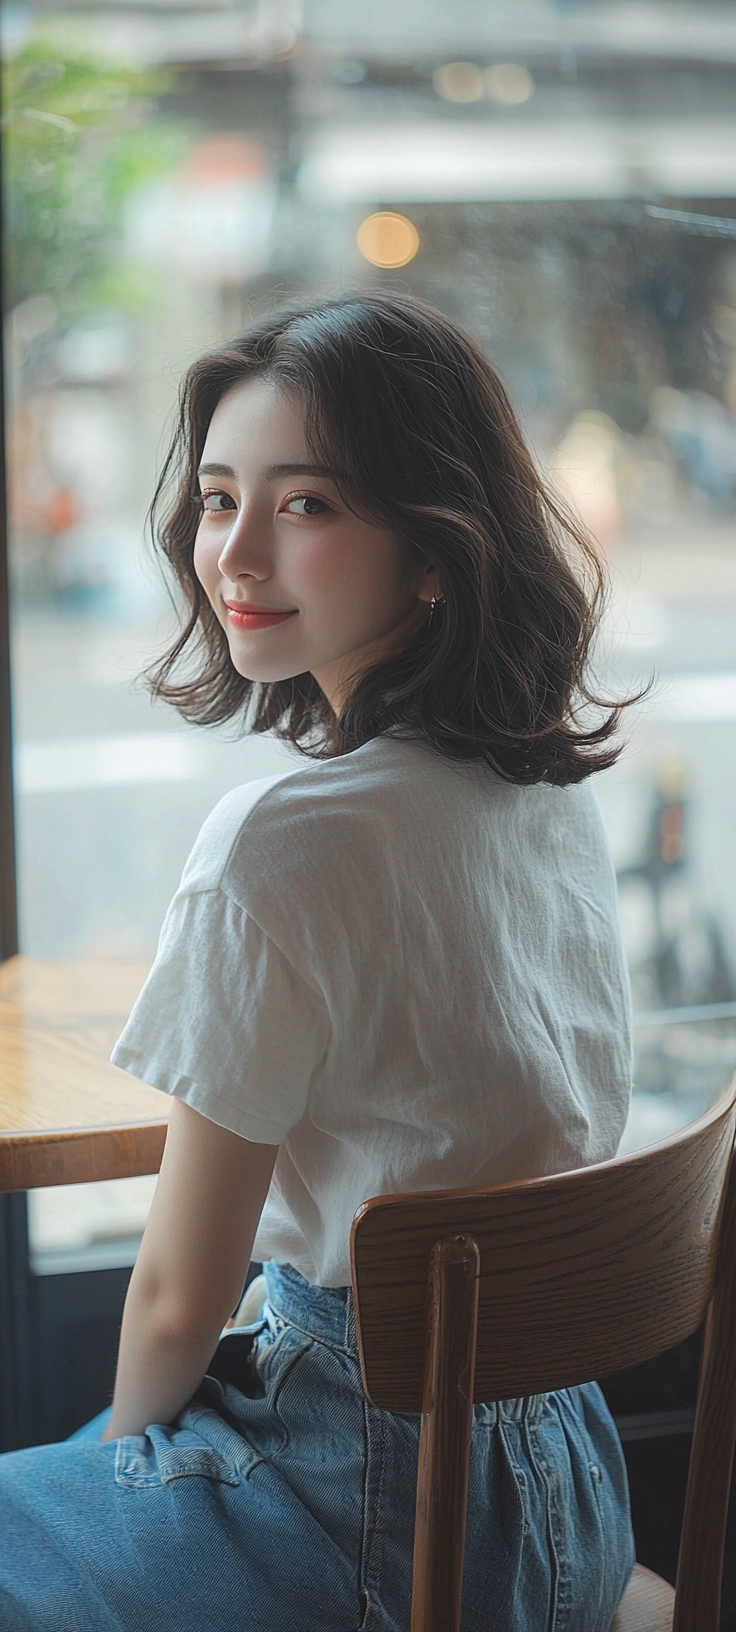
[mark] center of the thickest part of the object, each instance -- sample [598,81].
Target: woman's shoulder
[290,821]
[221,833]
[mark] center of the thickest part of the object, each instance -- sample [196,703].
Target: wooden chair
[492,1294]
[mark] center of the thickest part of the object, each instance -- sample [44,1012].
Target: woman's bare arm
[190,1269]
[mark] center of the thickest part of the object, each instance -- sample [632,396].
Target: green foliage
[79,135]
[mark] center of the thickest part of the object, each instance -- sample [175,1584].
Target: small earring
[435,602]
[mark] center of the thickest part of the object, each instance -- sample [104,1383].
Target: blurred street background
[559,177]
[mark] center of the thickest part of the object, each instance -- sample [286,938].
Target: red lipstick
[246,616]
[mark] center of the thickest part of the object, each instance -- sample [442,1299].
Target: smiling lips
[245,616]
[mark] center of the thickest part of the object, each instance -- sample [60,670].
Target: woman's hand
[191,1267]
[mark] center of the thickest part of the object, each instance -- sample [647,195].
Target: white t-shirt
[402,969]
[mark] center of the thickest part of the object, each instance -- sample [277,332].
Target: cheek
[316,564]
[347,569]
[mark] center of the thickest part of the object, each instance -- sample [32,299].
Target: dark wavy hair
[403,404]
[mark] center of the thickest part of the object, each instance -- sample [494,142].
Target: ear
[429,582]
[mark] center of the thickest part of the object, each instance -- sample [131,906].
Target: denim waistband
[327,1313]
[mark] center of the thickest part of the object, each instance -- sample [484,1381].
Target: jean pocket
[234,1359]
[162,1455]
[276,1352]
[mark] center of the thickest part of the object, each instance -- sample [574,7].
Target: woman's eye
[215,502]
[312,505]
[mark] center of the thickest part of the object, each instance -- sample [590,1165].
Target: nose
[244,551]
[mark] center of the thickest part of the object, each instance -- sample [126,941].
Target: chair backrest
[581,1275]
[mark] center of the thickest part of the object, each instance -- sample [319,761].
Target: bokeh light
[387,240]
[459,82]
[508,82]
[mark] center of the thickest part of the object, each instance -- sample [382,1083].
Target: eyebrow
[272,472]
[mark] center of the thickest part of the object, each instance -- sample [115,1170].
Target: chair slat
[444,1443]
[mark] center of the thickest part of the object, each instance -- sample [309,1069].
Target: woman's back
[440,952]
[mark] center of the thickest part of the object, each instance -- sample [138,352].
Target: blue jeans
[281,1501]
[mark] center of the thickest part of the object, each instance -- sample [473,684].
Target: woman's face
[276,536]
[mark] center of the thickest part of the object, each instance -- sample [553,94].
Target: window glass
[567,190]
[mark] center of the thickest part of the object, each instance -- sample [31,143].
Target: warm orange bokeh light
[388,240]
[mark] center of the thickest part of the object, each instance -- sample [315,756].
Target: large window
[567,189]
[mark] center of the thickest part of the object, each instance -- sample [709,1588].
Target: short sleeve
[225,1022]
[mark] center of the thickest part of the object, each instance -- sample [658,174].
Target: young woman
[395,967]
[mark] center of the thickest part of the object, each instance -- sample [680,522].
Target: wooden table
[66,1114]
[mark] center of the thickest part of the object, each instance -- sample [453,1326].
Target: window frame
[8,888]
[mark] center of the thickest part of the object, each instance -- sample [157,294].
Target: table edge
[30,1161]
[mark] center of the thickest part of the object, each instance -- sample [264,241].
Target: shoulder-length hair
[403,404]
